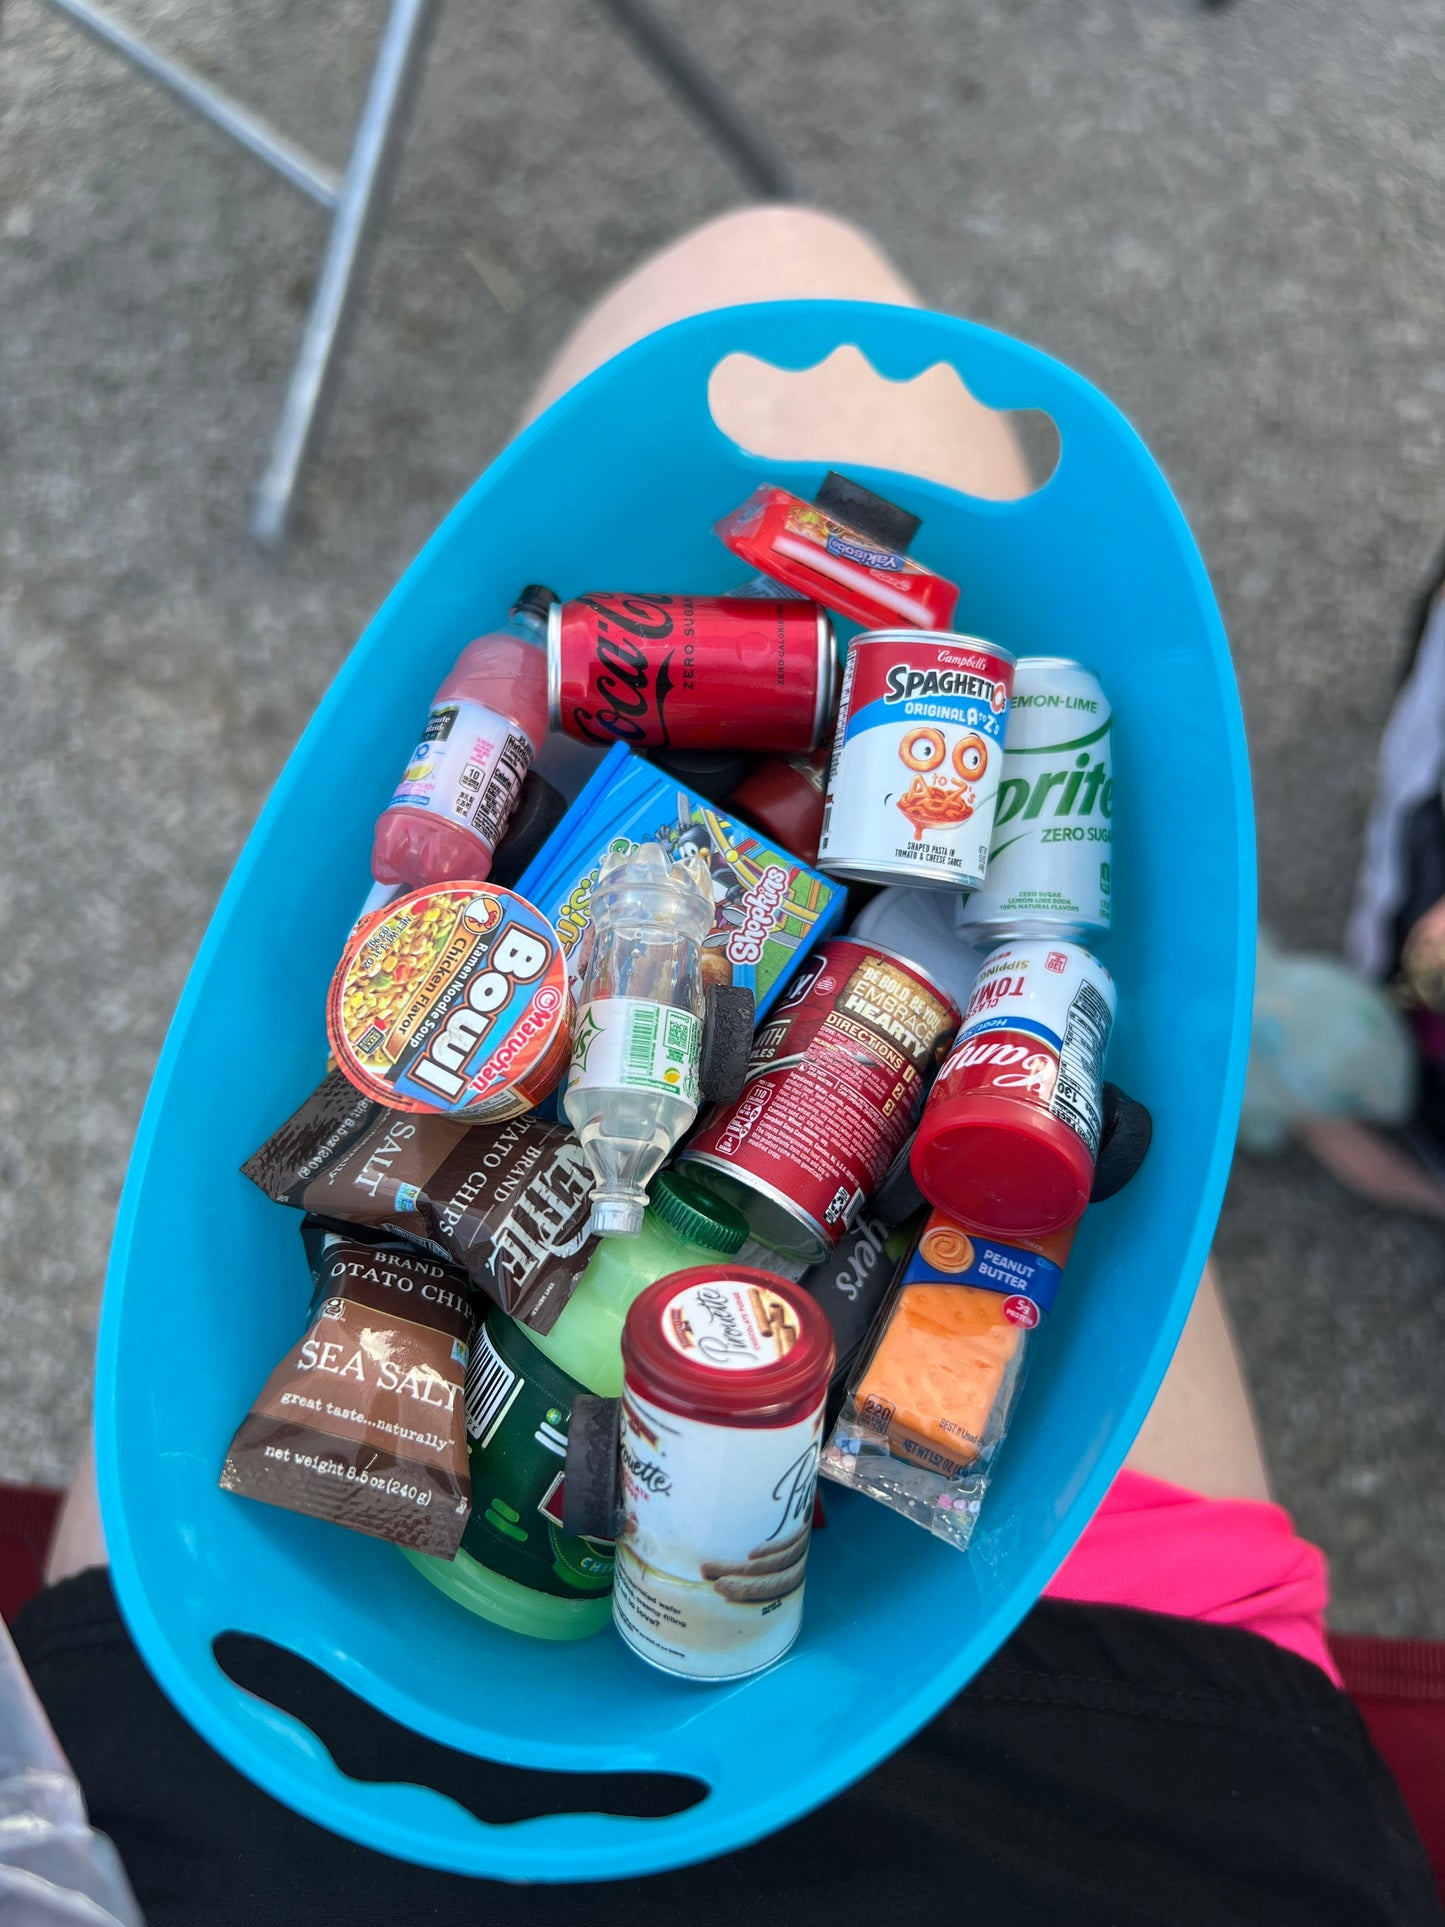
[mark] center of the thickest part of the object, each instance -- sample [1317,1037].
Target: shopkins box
[771,908]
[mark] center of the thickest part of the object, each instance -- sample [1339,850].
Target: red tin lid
[730,1346]
[1002,1168]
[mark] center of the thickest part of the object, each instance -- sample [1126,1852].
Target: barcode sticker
[492,1386]
[632,1044]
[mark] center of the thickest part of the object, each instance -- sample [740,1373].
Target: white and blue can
[917,758]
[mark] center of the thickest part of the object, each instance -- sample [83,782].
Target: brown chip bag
[509,1203]
[364,1421]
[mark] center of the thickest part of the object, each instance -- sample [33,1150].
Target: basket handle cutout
[368,1745]
[843,413]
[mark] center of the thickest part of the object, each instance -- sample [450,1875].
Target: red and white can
[834,1085]
[691,672]
[725,1374]
[914,780]
[1010,1132]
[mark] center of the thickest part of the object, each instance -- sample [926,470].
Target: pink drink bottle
[460,784]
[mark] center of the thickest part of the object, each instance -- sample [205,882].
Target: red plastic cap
[1002,1168]
[729,1345]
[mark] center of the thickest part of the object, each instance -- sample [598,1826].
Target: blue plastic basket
[618,485]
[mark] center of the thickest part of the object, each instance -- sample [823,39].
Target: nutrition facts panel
[1081,1064]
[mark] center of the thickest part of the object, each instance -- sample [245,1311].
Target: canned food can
[1050,863]
[691,672]
[454,999]
[917,757]
[834,1085]
[1010,1132]
[725,1372]
[784,796]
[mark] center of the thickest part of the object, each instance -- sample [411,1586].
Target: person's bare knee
[840,412]
[751,254]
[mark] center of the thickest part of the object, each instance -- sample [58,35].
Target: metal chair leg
[401,43]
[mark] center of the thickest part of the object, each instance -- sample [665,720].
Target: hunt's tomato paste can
[1010,1132]
[917,758]
[725,1372]
[691,672]
[834,1085]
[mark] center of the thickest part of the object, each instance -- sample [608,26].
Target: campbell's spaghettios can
[834,1085]
[691,672]
[916,760]
[1010,1131]
[1049,866]
[725,1370]
[453,998]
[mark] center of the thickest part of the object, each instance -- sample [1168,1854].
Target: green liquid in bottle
[517,1566]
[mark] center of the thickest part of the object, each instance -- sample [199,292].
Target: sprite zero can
[1050,858]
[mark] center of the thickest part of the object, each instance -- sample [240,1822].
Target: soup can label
[834,1086]
[452,999]
[713,1542]
[1036,1029]
[917,758]
[1050,871]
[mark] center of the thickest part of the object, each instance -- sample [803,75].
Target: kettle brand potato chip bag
[507,1202]
[363,1422]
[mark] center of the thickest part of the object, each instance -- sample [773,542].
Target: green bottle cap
[695,1213]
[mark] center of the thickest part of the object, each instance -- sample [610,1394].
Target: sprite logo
[1064,792]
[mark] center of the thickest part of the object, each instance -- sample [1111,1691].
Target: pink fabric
[1234,1562]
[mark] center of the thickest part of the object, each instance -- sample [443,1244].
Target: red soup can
[1011,1128]
[724,1376]
[691,672]
[835,1084]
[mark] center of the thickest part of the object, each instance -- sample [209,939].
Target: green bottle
[516,1564]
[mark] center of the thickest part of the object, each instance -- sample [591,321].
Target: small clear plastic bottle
[633,1087]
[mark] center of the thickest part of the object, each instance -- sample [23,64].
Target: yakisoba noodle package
[929,1405]
[452,999]
[812,553]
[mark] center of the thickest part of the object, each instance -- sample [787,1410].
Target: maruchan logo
[906,684]
[517,956]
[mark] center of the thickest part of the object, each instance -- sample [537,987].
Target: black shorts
[1108,1766]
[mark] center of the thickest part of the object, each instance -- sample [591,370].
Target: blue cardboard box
[771,909]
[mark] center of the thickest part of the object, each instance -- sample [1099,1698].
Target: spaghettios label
[916,765]
[452,999]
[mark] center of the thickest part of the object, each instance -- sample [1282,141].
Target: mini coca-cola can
[1010,1132]
[834,1086]
[691,672]
[725,1371]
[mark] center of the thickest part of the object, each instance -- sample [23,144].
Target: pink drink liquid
[460,785]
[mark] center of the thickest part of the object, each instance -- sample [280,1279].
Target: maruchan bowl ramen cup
[452,999]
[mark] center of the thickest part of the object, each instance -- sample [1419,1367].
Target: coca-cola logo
[630,695]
